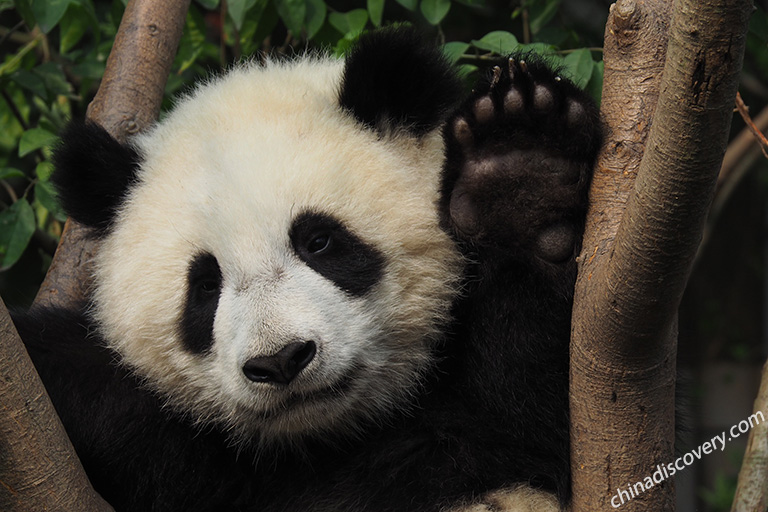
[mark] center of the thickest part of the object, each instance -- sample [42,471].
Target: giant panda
[328,285]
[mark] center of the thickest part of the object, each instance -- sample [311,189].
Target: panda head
[271,259]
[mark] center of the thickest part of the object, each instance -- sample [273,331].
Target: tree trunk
[38,467]
[752,488]
[636,259]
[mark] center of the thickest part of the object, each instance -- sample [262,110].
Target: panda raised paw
[520,154]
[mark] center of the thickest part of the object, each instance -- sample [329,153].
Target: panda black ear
[393,77]
[93,173]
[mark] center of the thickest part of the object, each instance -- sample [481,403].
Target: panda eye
[209,286]
[319,243]
[205,276]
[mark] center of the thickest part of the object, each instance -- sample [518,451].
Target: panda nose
[282,367]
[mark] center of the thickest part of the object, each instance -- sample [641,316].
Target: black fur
[203,290]
[494,409]
[394,79]
[93,173]
[136,453]
[336,253]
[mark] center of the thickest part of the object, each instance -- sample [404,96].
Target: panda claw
[496,76]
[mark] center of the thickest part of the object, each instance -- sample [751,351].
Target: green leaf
[10,172]
[499,41]
[45,194]
[48,13]
[237,10]
[344,45]
[75,24]
[579,65]
[259,24]
[92,68]
[435,10]
[192,41]
[34,139]
[293,13]
[208,4]
[595,85]
[540,16]
[316,12]
[409,4]
[24,9]
[17,225]
[465,70]
[350,23]
[54,78]
[14,62]
[454,50]
[44,170]
[375,11]
[31,82]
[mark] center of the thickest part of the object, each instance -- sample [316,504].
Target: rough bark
[38,467]
[128,101]
[752,489]
[636,258]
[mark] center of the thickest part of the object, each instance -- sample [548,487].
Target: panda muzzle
[282,367]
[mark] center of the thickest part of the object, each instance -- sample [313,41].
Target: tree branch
[743,151]
[634,270]
[38,468]
[128,101]
[752,487]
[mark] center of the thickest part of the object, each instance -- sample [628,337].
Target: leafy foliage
[55,53]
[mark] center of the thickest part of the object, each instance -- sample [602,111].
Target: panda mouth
[335,391]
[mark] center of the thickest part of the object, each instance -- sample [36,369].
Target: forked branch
[635,263]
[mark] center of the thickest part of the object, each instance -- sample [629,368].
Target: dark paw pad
[556,243]
[520,154]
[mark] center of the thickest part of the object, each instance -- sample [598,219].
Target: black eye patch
[203,290]
[334,252]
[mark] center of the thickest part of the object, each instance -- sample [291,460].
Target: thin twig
[744,111]
[6,34]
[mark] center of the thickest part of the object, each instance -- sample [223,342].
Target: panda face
[277,268]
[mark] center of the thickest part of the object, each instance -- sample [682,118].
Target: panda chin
[298,400]
[335,411]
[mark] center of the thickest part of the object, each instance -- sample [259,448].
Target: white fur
[226,172]
[518,498]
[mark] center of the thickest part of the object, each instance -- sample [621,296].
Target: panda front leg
[520,154]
